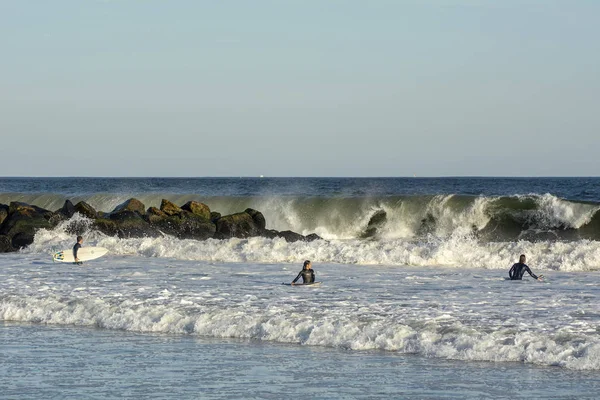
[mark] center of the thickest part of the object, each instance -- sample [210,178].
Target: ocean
[419,308]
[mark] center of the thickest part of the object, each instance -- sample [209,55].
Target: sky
[299,88]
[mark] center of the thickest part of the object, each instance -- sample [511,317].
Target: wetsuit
[308,276]
[75,249]
[518,270]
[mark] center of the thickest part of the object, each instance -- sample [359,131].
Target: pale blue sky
[300,88]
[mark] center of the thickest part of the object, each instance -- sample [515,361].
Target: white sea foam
[458,250]
[479,318]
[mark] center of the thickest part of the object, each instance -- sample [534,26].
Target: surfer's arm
[534,276]
[511,272]
[75,249]
[298,277]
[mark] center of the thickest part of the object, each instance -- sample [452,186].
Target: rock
[428,225]
[196,208]
[270,233]
[3,212]
[27,210]
[258,218]
[169,208]
[312,237]
[6,244]
[375,224]
[22,239]
[131,205]
[126,224]
[86,210]
[62,214]
[67,210]
[214,216]
[240,225]
[184,226]
[24,220]
[155,211]
[290,236]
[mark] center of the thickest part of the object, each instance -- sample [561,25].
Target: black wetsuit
[518,270]
[308,276]
[75,249]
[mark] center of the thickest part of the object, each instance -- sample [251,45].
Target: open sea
[419,310]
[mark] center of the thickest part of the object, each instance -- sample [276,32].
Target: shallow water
[468,314]
[66,362]
[411,313]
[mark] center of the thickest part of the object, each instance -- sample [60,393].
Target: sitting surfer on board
[307,274]
[518,270]
[76,249]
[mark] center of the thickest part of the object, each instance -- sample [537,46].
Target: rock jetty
[192,220]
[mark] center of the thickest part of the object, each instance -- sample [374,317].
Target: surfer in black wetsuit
[76,249]
[518,270]
[307,274]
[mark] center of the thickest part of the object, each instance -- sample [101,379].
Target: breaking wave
[462,251]
[503,218]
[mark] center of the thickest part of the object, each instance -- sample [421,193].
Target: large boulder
[131,205]
[258,218]
[185,225]
[196,208]
[27,210]
[126,224]
[62,214]
[375,224]
[3,212]
[6,244]
[23,221]
[170,208]
[240,225]
[312,237]
[214,216]
[67,210]
[290,236]
[86,210]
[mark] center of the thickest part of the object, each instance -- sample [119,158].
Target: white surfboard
[302,284]
[84,254]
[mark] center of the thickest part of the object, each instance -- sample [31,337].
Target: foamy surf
[458,251]
[437,313]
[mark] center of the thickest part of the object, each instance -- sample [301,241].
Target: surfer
[76,249]
[307,274]
[518,270]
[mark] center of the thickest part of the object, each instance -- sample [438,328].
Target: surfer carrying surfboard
[77,247]
[307,274]
[518,270]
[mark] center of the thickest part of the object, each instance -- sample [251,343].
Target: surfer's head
[306,264]
[79,239]
[522,258]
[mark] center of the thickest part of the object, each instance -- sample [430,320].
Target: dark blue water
[581,189]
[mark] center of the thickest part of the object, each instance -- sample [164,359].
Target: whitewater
[426,293]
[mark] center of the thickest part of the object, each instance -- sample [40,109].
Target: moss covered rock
[23,221]
[5,244]
[86,210]
[126,224]
[169,208]
[132,204]
[258,218]
[3,212]
[196,208]
[184,226]
[240,225]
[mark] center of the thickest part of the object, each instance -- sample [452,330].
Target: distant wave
[504,218]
